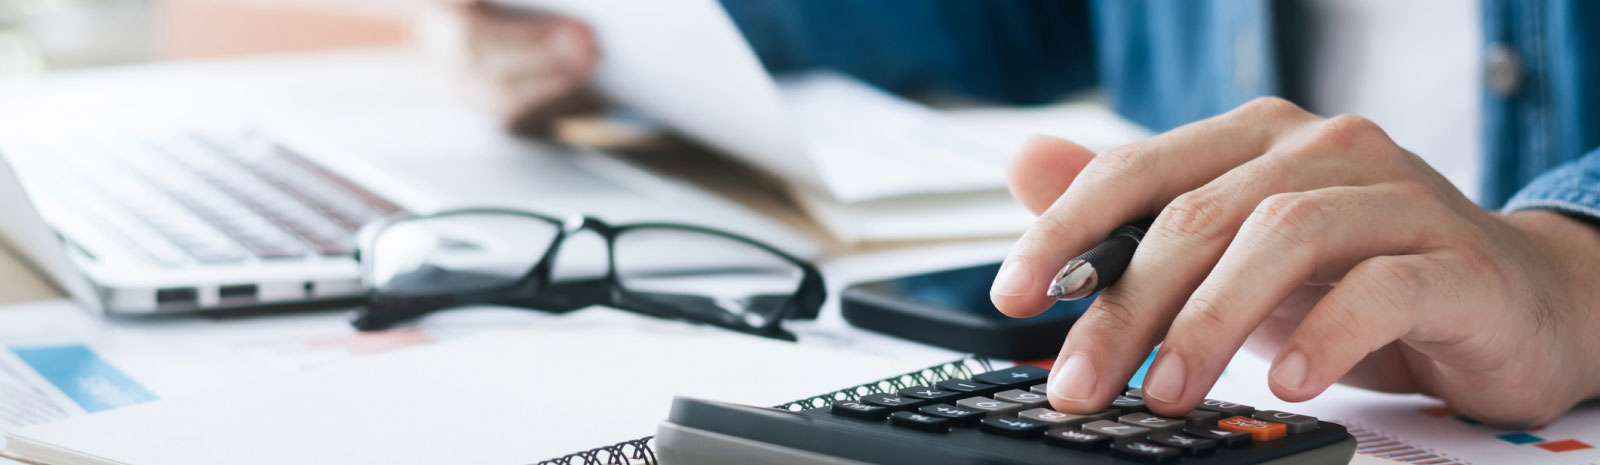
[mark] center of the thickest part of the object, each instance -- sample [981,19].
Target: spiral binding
[622,453]
[638,451]
[959,369]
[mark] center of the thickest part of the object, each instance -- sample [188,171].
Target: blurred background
[39,35]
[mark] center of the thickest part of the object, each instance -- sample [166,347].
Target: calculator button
[1025,398]
[931,395]
[1017,376]
[1227,409]
[1054,418]
[1228,439]
[1135,393]
[859,410]
[1189,445]
[1117,431]
[1040,389]
[1128,404]
[967,387]
[987,405]
[920,422]
[1202,418]
[1013,427]
[1146,452]
[893,402]
[957,415]
[1295,424]
[1076,439]
[1260,431]
[1151,421]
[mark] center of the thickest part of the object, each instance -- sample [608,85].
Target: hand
[530,68]
[1326,247]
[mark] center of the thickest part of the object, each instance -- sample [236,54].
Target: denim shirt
[1164,63]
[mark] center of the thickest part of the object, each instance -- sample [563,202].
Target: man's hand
[1326,247]
[530,68]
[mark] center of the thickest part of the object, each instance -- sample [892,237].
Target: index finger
[1131,182]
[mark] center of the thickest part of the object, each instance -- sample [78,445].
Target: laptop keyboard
[208,198]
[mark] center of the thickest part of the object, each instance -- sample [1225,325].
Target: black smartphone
[951,309]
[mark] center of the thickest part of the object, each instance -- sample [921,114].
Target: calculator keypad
[1024,398]
[1014,427]
[987,405]
[959,416]
[919,421]
[1012,403]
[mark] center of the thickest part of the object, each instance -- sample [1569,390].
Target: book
[590,390]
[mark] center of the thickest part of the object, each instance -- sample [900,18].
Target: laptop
[246,205]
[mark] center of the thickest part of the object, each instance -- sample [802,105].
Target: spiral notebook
[584,392]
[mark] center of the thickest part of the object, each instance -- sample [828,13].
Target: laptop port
[177,295]
[237,291]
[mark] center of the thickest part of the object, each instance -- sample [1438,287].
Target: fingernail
[1013,279]
[1167,375]
[1291,371]
[1074,379]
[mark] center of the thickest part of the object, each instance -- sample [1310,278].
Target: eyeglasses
[415,265]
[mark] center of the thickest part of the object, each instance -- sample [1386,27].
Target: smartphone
[951,309]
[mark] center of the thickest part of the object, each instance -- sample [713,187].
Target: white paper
[1411,427]
[685,63]
[510,397]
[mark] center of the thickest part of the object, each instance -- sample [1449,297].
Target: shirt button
[1502,70]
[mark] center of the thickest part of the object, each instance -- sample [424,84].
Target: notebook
[589,391]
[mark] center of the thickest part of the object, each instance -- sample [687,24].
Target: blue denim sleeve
[1018,51]
[1573,188]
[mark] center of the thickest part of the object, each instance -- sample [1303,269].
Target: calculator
[999,417]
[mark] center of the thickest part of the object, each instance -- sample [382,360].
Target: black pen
[1101,266]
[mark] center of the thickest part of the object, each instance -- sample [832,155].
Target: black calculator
[999,417]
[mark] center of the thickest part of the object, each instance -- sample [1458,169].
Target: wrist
[1570,249]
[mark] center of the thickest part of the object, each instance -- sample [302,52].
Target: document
[685,63]
[1412,428]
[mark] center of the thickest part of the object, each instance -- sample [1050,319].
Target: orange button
[1259,430]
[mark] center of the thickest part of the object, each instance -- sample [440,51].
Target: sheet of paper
[507,397]
[821,130]
[1419,429]
[685,63]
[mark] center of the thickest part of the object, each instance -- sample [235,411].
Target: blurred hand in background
[530,68]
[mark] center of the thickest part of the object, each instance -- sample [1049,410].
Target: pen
[1101,266]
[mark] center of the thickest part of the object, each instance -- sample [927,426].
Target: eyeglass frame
[804,304]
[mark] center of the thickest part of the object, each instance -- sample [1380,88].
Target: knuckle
[1196,215]
[1203,314]
[1348,132]
[1114,316]
[1396,277]
[1271,108]
[1287,216]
